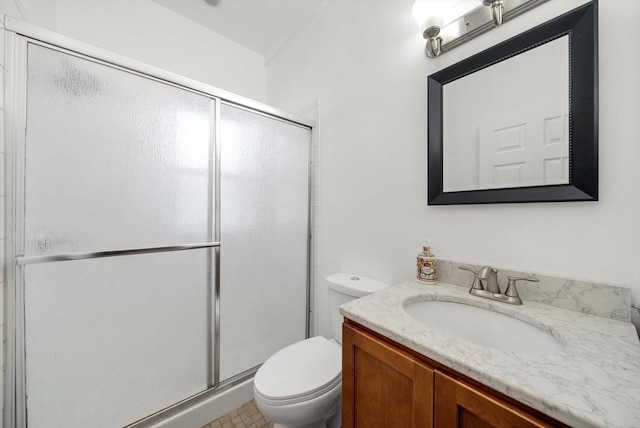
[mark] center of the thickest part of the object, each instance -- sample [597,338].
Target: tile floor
[245,416]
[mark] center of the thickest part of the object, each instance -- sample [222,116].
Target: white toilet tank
[343,288]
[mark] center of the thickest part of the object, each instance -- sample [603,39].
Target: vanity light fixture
[446,24]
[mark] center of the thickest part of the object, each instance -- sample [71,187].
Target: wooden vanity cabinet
[387,386]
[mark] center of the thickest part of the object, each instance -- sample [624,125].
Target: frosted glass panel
[264,234]
[110,341]
[113,160]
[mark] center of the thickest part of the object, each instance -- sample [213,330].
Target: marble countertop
[593,382]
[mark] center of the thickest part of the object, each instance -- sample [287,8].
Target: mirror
[518,122]
[505,142]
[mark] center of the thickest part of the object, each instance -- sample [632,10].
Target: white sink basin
[483,327]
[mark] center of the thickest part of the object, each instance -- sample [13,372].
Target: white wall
[151,33]
[364,61]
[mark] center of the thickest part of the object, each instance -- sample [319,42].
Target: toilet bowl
[300,385]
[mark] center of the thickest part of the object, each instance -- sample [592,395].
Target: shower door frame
[18,35]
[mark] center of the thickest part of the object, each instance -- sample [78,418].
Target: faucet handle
[476,281]
[468,269]
[512,291]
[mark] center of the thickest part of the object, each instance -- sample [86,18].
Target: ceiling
[262,26]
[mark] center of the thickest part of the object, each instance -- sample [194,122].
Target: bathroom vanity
[399,372]
[397,387]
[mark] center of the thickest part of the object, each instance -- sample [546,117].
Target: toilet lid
[300,369]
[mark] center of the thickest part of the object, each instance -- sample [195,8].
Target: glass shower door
[124,303]
[116,259]
[264,230]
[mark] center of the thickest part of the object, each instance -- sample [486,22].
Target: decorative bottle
[427,270]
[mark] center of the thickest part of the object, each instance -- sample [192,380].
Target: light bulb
[441,12]
[429,13]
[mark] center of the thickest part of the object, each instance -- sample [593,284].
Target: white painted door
[525,148]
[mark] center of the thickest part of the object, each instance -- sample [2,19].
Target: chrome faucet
[485,284]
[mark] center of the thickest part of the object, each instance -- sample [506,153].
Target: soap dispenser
[427,270]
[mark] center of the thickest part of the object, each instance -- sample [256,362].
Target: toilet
[300,385]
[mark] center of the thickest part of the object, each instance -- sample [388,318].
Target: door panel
[459,405]
[383,387]
[110,341]
[525,148]
[113,160]
[264,211]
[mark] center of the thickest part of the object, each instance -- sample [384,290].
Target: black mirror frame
[581,25]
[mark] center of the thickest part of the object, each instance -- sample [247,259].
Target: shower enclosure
[160,232]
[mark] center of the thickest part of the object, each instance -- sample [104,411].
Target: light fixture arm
[497,10]
[433,47]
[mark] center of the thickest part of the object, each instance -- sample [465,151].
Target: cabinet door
[383,386]
[458,404]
